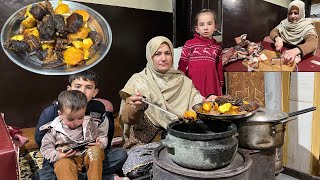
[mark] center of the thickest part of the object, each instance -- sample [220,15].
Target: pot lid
[267,115]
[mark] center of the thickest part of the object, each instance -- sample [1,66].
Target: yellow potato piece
[32,31]
[73,56]
[19,37]
[62,9]
[29,22]
[86,54]
[87,43]
[77,44]
[225,108]
[207,106]
[190,115]
[47,46]
[81,34]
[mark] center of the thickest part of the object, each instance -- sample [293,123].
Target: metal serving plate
[32,63]
[204,116]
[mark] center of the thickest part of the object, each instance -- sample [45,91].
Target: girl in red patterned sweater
[201,56]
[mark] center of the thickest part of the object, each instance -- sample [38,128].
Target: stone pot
[200,145]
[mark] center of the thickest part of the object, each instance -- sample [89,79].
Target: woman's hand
[135,101]
[70,153]
[278,44]
[290,55]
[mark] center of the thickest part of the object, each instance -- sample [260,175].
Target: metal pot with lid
[265,129]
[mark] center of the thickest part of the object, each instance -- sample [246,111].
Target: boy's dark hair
[196,18]
[72,99]
[87,75]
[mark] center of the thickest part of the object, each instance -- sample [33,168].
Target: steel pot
[265,129]
[201,145]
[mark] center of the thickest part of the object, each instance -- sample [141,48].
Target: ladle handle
[302,111]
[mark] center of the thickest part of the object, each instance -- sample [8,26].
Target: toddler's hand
[70,153]
[97,143]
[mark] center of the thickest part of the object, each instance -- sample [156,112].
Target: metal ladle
[166,111]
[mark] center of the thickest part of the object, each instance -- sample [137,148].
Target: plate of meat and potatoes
[56,37]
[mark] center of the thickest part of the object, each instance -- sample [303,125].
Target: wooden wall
[23,94]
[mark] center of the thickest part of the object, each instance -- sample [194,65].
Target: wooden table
[269,65]
[305,65]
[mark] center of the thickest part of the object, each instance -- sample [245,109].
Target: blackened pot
[209,145]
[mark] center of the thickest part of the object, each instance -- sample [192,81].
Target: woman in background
[297,32]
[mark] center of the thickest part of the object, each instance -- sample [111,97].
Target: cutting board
[268,66]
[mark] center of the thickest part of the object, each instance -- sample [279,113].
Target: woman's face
[162,58]
[293,14]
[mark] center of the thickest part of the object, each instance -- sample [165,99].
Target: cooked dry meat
[46,28]
[33,43]
[246,107]
[40,10]
[93,49]
[17,46]
[74,22]
[52,58]
[41,54]
[61,44]
[95,37]
[222,100]
[60,25]
[228,99]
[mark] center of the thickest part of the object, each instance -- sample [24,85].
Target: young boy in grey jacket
[70,128]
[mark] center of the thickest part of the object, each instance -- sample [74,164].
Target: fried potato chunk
[73,56]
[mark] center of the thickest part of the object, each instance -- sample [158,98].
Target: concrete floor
[284,177]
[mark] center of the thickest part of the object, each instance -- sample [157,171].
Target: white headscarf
[295,32]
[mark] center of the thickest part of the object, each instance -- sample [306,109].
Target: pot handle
[168,144]
[291,116]
[288,120]
[296,113]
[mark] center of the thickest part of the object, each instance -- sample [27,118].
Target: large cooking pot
[265,129]
[201,145]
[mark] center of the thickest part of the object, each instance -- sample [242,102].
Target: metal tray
[32,63]
[204,116]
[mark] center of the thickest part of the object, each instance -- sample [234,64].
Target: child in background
[72,127]
[201,58]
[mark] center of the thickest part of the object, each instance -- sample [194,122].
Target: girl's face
[206,25]
[72,119]
[293,15]
[162,58]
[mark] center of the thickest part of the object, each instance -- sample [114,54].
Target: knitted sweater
[201,61]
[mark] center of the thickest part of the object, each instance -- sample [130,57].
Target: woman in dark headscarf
[296,31]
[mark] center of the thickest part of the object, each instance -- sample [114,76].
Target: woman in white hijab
[160,84]
[296,31]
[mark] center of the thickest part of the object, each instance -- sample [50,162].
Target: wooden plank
[269,66]
[285,88]
[315,140]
